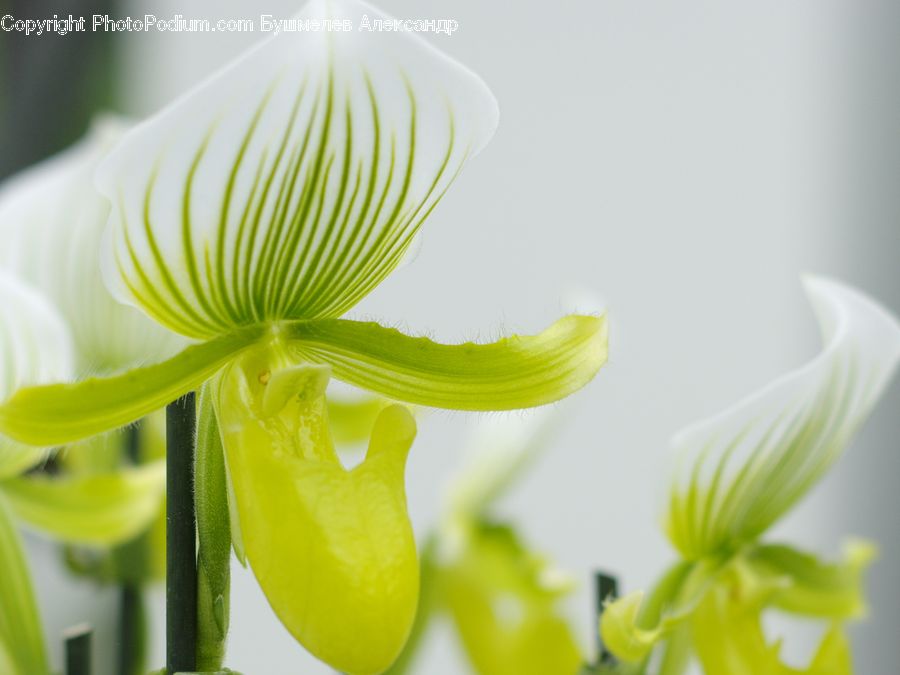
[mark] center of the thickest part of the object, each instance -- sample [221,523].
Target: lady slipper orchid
[249,216]
[102,509]
[502,597]
[738,474]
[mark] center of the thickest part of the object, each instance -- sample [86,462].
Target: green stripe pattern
[292,184]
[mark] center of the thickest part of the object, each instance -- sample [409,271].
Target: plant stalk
[78,649]
[181,537]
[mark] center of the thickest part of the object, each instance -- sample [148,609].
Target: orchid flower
[249,216]
[102,509]
[738,474]
[503,598]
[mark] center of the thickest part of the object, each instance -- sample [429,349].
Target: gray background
[685,162]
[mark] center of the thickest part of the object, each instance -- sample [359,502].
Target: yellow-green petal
[351,419]
[61,413]
[515,372]
[505,607]
[99,509]
[811,587]
[21,640]
[633,625]
[728,636]
[332,548]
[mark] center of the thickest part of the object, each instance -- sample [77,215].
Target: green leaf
[742,470]
[515,372]
[292,183]
[101,509]
[214,537]
[22,649]
[62,413]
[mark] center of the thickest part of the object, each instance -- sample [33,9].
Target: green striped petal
[99,509]
[515,372]
[742,470]
[290,184]
[51,223]
[35,347]
[22,649]
[56,414]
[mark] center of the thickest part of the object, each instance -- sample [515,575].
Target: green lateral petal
[35,347]
[516,372]
[100,509]
[332,549]
[62,413]
[811,587]
[51,223]
[21,640]
[742,470]
[505,607]
[291,183]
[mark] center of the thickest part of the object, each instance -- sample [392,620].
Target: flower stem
[132,630]
[181,554]
[607,588]
[78,649]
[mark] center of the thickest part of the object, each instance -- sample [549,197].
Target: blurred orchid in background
[101,509]
[737,475]
[51,224]
[249,216]
[503,598]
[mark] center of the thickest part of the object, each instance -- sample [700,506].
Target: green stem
[78,649]
[132,631]
[181,553]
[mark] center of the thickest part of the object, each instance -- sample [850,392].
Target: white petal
[291,183]
[740,471]
[35,348]
[51,223]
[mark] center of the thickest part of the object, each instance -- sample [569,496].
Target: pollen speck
[264,377]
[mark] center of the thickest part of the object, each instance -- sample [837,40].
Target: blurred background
[684,163]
